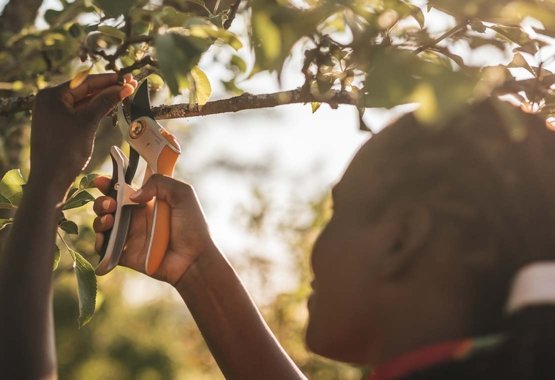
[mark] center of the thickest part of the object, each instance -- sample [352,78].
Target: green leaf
[200,88]
[86,283]
[11,187]
[520,62]
[114,8]
[69,227]
[112,32]
[239,63]
[80,198]
[268,36]
[5,222]
[315,106]
[56,258]
[177,55]
[417,13]
[87,181]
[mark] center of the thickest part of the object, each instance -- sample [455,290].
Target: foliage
[382,53]
[11,191]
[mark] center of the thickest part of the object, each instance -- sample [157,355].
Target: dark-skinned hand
[64,124]
[189,235]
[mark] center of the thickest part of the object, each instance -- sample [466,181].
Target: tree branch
[248,101]
[238,103]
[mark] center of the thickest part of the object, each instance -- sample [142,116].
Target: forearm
[232,326]
[26,325]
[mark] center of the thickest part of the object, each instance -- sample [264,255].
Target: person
[436,263]
[62,134]
[412,274]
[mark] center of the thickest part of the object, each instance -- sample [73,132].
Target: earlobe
[412,230]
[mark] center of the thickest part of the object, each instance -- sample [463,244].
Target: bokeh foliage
[382,52]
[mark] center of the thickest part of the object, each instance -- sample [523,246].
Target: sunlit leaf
[201,90]
[315,106]
[5,223]
[11,187]
[57,257]
[86,283]
[80,198]
[112,32]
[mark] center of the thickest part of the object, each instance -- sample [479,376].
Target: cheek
[340,322]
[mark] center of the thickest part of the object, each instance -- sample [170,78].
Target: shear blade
[140,106]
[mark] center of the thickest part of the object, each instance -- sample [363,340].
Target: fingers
[163,188]
[104,205]
[103,184]
[105,101]
[92,84]
[98,242]
[103,223]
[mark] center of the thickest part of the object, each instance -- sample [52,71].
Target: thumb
[157,186]
[105,101]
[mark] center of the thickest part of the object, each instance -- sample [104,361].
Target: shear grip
[114,239]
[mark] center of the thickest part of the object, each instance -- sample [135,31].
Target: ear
[410,227]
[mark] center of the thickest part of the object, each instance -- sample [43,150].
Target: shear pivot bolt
[137,128]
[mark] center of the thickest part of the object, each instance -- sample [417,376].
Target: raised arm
[62,134]
[237,335]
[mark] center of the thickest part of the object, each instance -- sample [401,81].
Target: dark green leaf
[114,8]
[86,282]
[177,55]
[80,198]
[69,227]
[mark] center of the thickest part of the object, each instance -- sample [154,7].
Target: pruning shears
[160,150]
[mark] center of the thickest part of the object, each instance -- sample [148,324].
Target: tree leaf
[417,13]
[87,181]
[177,55]
[86,283]
[5,222]
[69,227]
[114,8]
[56,258]
[80,198]
[201,89]
[112,32]
[11,187]
[315,106]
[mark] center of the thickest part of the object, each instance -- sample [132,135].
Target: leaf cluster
[11,192]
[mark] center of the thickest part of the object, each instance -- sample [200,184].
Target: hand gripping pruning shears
[160,150]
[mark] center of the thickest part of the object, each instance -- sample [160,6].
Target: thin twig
[445,35]
[232,13]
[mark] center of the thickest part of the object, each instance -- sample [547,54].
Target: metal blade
[140,106]
[125,220]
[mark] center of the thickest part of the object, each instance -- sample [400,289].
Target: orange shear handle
[161,226]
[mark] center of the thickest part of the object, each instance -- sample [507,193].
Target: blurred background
[263,176]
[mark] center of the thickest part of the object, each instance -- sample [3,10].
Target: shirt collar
[433,355]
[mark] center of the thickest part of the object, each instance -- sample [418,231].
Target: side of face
[346,262]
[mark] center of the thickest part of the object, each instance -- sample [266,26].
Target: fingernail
[136,194]
[103,219]
[125,91]
[106,204]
